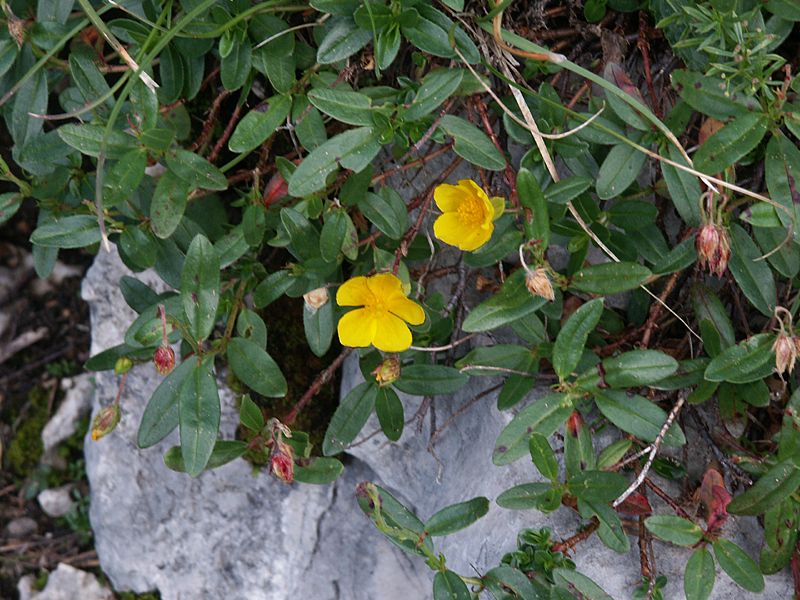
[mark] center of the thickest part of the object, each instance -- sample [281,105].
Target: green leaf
[168,204]
[342,39]
[544,416]
[252,327]
[88,138]
[619,170]
[730,143]
[472,144]
[259,124]
[457,516]
[350,417]
[343,105]
[161,414]
[449,586]
[224,452]
[543,456]
[507,583]
[610,531]
[536,219]
[753,275]
[319,325]
[255,368]
[390,413]
[748,361]
[683,187]
[785,9]
[318,470]
[738,565]
[783,255]
[568,348]
[610,278]
[250,415]
[638,416]
[386,211]
[567,189]
[200,280]
[679,258]
[699,576]
[196,170]
[708,307]
[612,454]
[782,172]
[396,516]
[433,380]
[676,530]
[710,96]
[539,495]
[272,287]
[9,205]
[638,368]
[199,415]
[76,231]
[354,149]
[778,483]
[597,486]
[512,302]
[588,588]
[436,87]
[235,66]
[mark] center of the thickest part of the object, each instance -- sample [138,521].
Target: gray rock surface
[56,502]
[21,527]
[65,583]
[460,468]
[228,533]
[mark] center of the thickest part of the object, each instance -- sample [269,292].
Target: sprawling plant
[248,152]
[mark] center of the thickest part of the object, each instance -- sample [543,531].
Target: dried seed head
[387,372]
[785,349]
[713,248]
[282,462]
[105,421]
[316,298]
[164,359]
[538,284]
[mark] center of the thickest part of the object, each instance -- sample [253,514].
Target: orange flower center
[471,211]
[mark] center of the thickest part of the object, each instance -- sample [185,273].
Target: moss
[135,596]
[26,447]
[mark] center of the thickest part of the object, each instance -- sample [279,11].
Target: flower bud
[713,248]
[387,372]
[316,299]
[164,359]
[538,284]
[785,349]
[123,365]
[282,462]
[105,421]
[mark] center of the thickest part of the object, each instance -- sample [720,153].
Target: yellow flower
[382,320]
[467,222]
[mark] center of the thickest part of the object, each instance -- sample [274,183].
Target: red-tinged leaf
[276,189]
[635,504]
[623,82]
[719,508]
[574,424]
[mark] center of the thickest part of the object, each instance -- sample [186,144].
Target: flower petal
[355,292]
[384,286]
[476,238]
[392,334]
[357,328]
[406,309]
[448,197]
[472,188]
[449,229]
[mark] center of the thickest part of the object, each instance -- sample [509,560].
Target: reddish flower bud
[164,359]
[105,421]
[282,463]
[387,372]
[538,284]
[785,349]
[713,248]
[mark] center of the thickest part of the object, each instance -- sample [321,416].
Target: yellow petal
[499,206]
[384,286]
[476,238]
[449,229]
[392,334]
[473,188]
[354,292]
[406,309]
[448,197]
[357,328]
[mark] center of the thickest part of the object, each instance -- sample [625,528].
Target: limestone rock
[76,404]
[56,502]
[65,583]
[227,533]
